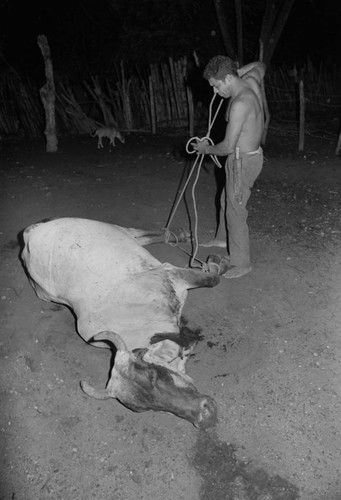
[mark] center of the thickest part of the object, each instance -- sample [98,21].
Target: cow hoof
[214,259]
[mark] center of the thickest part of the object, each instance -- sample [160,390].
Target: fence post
[338,145]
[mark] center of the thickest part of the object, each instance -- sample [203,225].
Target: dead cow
[123,295]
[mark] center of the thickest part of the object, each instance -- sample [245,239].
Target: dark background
[89,36]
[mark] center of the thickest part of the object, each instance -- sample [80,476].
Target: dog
[111,133]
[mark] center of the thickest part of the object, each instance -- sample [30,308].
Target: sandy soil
[270,352]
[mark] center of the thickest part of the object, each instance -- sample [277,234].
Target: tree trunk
[267,23]
[239,20]
[48,97]
[276,30]
[227,40]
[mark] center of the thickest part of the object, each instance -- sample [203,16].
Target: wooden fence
[160,98]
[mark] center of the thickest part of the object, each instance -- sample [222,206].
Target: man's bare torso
[247,109]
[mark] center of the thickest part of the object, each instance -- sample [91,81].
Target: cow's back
[61,253]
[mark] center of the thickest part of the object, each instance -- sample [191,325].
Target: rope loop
[206,138]
[198,139]
[168,235]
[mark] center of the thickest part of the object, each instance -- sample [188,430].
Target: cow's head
[143,386]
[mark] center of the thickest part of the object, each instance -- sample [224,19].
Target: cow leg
[209,277]
[144,237]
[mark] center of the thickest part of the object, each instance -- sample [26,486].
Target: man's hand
[255,69]
[200,146]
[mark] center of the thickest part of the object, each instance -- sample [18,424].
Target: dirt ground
[270,352]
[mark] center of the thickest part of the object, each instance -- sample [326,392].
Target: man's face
[221,87]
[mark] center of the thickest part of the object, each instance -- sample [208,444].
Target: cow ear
[120,377]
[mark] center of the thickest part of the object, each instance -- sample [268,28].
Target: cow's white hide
[110,281]
[123,295]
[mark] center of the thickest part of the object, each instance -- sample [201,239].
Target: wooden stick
[190,111]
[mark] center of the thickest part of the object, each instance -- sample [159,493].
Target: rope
[197,163]
[207,136]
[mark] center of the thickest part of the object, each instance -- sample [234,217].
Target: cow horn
[113,337]
[94,393]
[123,356]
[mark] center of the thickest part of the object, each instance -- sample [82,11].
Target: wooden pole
[48,97]
[302,116]
[266,111]
[127,107]
[152,105]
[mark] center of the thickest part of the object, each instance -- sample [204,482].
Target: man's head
[220,73]
[219,67]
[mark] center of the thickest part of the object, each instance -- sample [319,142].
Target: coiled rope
[197,163]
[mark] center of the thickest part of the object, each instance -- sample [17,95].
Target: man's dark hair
[219,67]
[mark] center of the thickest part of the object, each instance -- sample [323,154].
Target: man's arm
[237,117]
[255,69]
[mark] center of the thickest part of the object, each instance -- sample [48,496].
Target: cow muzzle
[207,416]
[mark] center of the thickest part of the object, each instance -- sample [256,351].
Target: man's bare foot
[236,272]
[213,243]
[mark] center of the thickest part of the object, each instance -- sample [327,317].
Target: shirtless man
[245,125]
